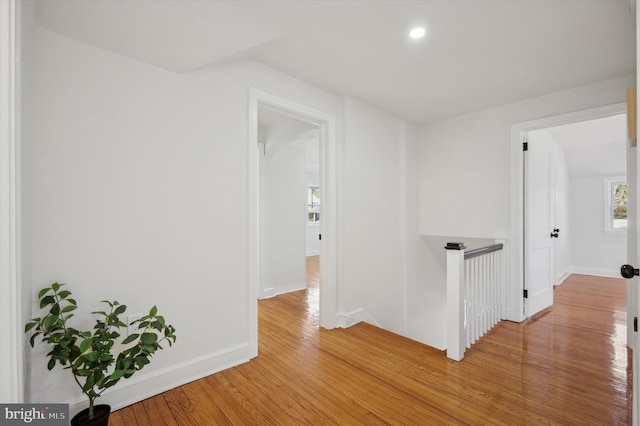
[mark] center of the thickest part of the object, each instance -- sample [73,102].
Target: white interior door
[633,256]
[539,225]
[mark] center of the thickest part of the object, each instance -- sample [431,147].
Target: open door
[539,169]
[633,245]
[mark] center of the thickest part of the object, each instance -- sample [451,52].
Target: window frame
[609,184]
[311,205]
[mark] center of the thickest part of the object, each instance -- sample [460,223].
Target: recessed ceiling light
[417,32]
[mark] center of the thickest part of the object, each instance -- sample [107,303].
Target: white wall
[386,265]
[371,207]
[286,212]
[140,194]
[593,251]
[465,170]
[473,152]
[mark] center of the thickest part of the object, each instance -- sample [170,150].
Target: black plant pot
[100,416]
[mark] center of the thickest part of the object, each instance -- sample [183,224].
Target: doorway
[325,124]
[516,303]
[575,204]
[288,201]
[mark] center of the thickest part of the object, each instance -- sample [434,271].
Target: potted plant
[88,354]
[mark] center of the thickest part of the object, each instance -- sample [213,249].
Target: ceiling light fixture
[417,33]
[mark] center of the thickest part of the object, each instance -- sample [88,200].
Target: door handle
[628,271]
[554,234]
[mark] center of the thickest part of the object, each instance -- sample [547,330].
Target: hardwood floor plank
[158,412]
[566,366]
[184,410]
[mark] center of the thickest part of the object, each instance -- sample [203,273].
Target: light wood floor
[567,366]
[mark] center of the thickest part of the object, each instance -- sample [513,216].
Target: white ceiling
[275,128]
[595,147]
[477,53]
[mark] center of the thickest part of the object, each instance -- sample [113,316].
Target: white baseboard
[143,386]
[290,287]
[347,319]
[268,293]
[609,273]
[560,278]
[313,253]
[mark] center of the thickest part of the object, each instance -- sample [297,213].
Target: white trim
[514,300]
[608,205]
[329,207]
[608,273]
[143,386]
[349,319]
[252,223]
[270,292]
[560,278]
[11,336]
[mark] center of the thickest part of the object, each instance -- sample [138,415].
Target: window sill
[615,231]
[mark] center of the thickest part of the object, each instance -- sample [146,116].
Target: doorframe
[329,209]
[12,369]
[515,303]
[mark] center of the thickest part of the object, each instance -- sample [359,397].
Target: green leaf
[68,308]
[43,292]
[85,344]
[141,361]
[130,339]
[91,356]
[55,309]
[89,383]
[116,375]
[83,372]
[149,338]
[51,363]
[49,321]
[55,286]
[63,294]
[47,300]
[153,311]
[32,324]
[120,309]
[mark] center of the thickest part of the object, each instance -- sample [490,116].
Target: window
[313,201]
[615,204]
